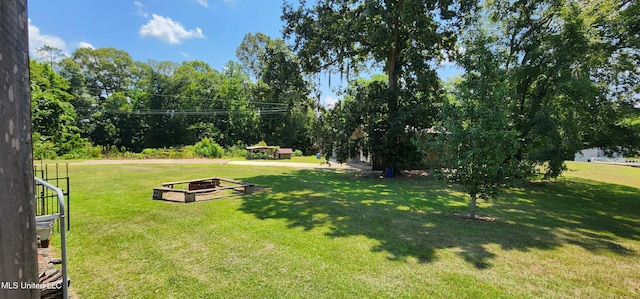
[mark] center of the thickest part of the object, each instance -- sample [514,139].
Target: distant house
[596,154]
[586,155]
[284,153]
[359,157]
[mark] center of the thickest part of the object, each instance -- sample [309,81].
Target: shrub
[208,148]
[87,151]
[94,151]
[149,152]
[297,153]
[113,152]
[42,147]
[236,151]
[189,151]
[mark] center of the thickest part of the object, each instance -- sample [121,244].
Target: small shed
[284,153]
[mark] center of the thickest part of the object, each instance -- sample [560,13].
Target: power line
[200,98]
[173,112]
[260,108]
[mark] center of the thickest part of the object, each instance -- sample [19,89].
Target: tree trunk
[18,255]
[394,62]
[472,205]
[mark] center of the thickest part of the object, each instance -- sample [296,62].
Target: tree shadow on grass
[411,218]
[590,214]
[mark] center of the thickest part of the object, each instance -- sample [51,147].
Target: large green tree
[557,55]
[82,101]
[106,70]
[618,22]
[153,92]
[406,37]
[54,120]
[194,86]
[99,80]
[242,117]
[252,52]
[281,91]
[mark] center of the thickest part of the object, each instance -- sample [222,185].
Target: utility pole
[18,249]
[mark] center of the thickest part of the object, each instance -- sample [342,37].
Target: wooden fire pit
[199,189]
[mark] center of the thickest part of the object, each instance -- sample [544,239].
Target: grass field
[321,234]
[299,159]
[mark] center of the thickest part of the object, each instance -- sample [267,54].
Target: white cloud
[185,55]
[168,30]
[85,45]
[141,9]
[205,3]
[329,101]
[38,40]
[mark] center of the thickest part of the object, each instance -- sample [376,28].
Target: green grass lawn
[321,234]
[299,159]
[613,174]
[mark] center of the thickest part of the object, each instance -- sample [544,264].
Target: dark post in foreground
[18,261]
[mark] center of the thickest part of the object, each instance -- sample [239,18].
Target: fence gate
[46,199]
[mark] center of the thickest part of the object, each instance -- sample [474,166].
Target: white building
[596,154]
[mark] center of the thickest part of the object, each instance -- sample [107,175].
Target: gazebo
[268,152]
[261,152]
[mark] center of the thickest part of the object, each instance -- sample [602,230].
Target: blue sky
[162,30]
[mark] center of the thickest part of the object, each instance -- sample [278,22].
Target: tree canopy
[113,101]
[474,139]
[558,57]
[542,80]
[53,115]
[408,37]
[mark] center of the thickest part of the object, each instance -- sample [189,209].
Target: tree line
[102,97]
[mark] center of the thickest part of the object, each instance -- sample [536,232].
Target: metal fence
[46,198]
[619,161]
